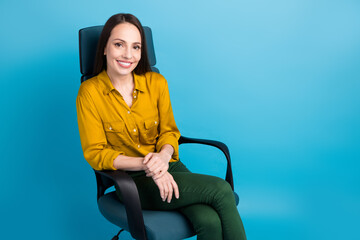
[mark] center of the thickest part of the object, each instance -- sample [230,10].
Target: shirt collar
[139,81]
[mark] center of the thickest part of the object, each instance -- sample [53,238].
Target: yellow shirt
[109,127]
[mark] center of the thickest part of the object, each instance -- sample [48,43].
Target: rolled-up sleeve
[169,133]
[92,135]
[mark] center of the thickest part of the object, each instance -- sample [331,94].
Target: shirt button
[138,146]
[128,112]
[135,91]
[134,129]
[110,128]
[155,122]
[134,96]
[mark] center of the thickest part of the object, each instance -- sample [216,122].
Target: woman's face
[123,49]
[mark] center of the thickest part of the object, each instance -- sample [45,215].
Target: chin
[126,72]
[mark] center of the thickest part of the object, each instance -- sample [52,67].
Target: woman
[126,122]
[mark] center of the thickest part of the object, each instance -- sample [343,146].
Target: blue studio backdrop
[277,81]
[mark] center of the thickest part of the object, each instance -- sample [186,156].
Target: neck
[122,80]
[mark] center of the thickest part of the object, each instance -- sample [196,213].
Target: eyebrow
[125,41]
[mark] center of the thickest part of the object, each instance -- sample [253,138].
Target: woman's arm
[129,163]
[169,134]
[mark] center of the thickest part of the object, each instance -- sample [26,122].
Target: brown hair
[100,59]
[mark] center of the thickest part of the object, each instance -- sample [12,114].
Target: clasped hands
[156,166]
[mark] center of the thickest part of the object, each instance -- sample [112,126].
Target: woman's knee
[222,187]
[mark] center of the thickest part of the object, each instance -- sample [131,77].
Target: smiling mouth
[124,64]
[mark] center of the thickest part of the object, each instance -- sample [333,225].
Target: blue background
[278,81]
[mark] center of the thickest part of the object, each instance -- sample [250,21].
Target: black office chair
[142,224]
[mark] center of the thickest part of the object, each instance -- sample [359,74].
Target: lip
[124,64]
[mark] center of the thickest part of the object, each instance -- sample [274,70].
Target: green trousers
[207,201]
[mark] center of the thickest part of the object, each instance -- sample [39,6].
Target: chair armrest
[219,145]
[131,201]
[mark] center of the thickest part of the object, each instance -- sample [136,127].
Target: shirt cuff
[102,160]
[173,141]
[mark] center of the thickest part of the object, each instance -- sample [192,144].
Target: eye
[118,44]
[137,47]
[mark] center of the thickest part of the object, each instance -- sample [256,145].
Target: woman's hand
[156,164]
[167,187]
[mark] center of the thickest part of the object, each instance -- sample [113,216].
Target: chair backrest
[88,40]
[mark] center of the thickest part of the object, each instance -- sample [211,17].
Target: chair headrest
[88,40]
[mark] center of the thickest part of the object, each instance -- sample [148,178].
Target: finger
[170,194]
[148,173]
[151,161]
[166,191]
[156,176]
[157,170]
[176,188]
[162,190]
[161,173]
[156,166]
[147,157]
[158,163]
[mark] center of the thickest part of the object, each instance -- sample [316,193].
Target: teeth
[124,63]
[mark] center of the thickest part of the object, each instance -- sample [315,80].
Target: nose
[127,53]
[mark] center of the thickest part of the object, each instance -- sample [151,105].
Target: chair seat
[178,227]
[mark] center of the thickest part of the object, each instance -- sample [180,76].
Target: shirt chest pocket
[114,132]
[150,131]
